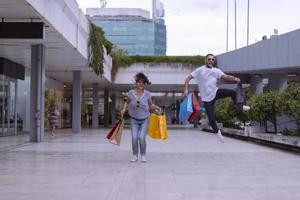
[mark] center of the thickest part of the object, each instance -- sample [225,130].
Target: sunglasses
[210,59]
[137,103]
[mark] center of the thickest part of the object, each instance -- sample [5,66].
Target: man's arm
[230,78]
[186,84]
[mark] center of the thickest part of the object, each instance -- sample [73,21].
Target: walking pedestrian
[53,115]
[138,103]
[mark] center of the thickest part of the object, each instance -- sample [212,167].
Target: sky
[198,27]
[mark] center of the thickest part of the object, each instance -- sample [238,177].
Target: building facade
[131,29]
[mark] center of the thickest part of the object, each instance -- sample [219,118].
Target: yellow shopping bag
[157,127]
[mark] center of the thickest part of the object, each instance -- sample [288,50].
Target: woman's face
[140,84]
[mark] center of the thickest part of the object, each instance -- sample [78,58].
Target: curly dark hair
[141,76]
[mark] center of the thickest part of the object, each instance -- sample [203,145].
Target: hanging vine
[96,43]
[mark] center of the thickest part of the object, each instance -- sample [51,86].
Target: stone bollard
[247,130]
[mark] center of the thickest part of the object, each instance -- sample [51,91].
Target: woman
[138,104]
[53,114]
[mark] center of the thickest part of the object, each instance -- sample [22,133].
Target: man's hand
[237,80]
[185,93]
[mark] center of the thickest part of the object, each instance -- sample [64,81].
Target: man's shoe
[246,108]
[134,158]
[143,158]
[220,136]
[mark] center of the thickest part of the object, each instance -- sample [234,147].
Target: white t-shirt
[206,79]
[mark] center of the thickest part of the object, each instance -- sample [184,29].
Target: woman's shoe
[143,158]
[134,158]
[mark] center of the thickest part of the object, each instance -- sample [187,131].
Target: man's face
[210,61]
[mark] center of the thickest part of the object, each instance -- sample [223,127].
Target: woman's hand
[156,108]
[122,113]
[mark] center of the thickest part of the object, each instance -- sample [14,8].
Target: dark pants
[210,106]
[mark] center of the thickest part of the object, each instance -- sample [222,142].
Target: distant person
[138,103]
[264,37]
[206,77]
[53,115]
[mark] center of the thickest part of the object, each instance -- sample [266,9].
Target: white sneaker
[246,108]
[143,158]
[134,158]
[220,136]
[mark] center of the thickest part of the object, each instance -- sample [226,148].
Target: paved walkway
[190,165]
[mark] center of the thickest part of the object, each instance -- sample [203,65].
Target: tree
[264,107]
[225,111]
[290,102]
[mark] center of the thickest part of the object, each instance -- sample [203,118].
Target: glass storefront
[14,110]
[8,106]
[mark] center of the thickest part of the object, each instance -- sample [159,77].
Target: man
[206,77]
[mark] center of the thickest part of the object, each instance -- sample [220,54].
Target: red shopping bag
[115,134]
[196,107]
[111,132]
[116,137]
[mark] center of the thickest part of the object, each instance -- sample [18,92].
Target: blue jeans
[210,106]
[138,132]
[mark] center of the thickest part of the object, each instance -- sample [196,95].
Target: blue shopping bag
[186,108]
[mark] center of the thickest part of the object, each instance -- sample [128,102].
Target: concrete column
[106,108]
[16,108]
[37,93]
[278,82]
[256,84]
[95,118]
[76,102]
[113,107]
[283,83]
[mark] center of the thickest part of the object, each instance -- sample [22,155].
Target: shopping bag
[117,133]
[186,108]
[113,130]
[196,107]
[239,97]
[239,94]
[157,127]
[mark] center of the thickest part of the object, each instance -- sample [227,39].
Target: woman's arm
[125,107]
